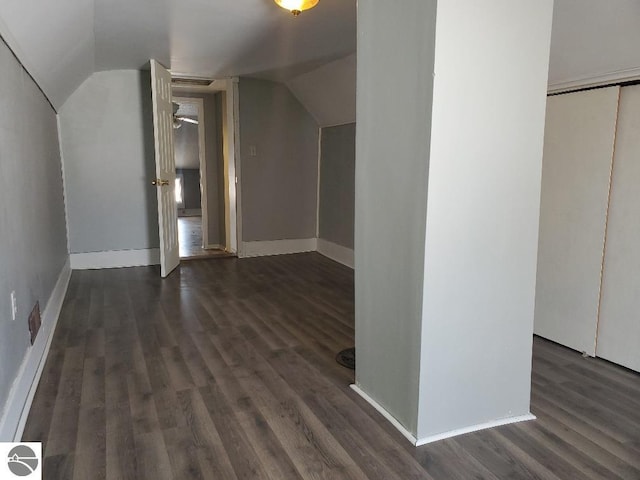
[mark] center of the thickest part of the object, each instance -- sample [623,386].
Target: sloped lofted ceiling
[53,40]
[62,43]
[329,92]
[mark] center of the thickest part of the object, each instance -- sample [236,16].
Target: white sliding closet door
[619,327]
[578,152]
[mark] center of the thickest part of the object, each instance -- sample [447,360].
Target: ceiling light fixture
[297,6]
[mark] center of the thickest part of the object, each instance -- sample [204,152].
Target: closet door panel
[619,326]
[578,152]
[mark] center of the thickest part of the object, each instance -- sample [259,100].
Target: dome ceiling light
[297,6]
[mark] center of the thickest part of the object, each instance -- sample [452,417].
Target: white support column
[451,99]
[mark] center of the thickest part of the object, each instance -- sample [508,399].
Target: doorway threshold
[206,254]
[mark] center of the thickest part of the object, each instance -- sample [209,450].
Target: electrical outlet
[14,306]
[253,151]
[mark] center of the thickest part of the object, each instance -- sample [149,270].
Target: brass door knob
[158,182]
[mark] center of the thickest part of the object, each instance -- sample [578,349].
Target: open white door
[165,168]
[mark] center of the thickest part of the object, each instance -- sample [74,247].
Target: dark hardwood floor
[226,370]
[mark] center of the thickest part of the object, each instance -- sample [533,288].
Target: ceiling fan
[178,120]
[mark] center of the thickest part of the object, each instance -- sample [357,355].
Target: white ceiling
[63,42]
[53,40]
[329,92]
[594,41]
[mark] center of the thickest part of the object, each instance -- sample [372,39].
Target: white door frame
[231,146]
[202,158]
[231,155]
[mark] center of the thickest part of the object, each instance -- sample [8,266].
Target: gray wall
[190,187]
[185,143]
[279,183]
[107,145]
[215,163]
[392,158]
[32,220]
[337,184]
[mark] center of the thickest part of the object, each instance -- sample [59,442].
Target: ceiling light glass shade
[297,6]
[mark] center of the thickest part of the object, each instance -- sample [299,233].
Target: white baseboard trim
[24,387]
[279,247]
[214,246]
[336,252]
[406,433]
[474,428]
[440,436]
[115,259]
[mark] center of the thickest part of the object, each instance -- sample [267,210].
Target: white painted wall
[482,212]
[329,92]
[619,328]
[578,151]
[392,158]
[107,145]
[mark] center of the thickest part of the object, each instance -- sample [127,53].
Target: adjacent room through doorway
[199,188]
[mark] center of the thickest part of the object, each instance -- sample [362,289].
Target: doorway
[191,177]
[202,188]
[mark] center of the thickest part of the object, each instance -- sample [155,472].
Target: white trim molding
[278,247]
[24,387]
[318,182]
[441,436]
[595,80]
[234,164]
[336,252]
[115,259]
[474,428]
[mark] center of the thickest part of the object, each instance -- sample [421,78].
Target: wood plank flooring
[226,370]
[190,241]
